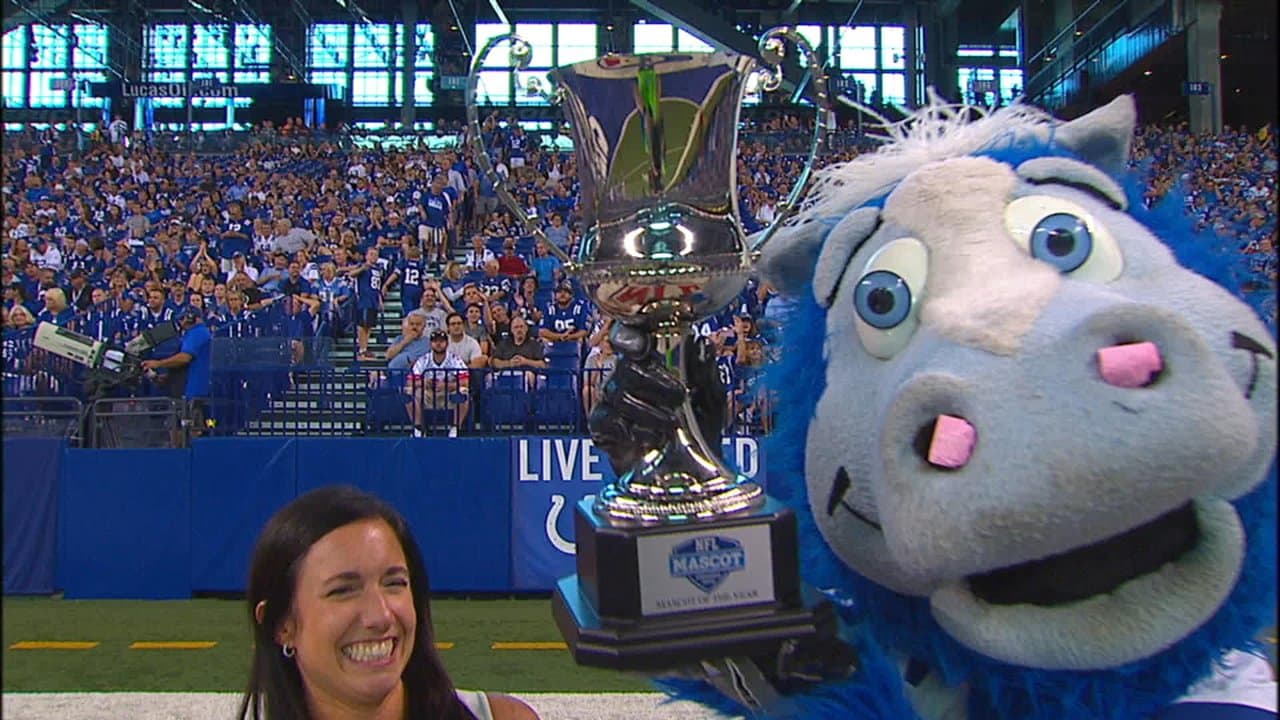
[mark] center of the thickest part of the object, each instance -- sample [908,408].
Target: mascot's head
[1030,420]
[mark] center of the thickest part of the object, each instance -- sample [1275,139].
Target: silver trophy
[682,557]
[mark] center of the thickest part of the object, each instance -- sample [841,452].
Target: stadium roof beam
[720,34]
[19,14]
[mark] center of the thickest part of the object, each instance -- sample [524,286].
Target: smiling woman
[338,598]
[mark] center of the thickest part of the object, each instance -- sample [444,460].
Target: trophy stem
[684,481]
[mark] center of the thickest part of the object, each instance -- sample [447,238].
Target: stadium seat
[504,405]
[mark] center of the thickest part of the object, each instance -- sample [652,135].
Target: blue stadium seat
[555,408]
[385,411]
[505,403]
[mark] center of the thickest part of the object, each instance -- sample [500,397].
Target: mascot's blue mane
[904,625]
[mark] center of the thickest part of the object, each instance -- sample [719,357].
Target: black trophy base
[657,597]
[670,642]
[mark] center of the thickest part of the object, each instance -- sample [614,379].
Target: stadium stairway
[329,399]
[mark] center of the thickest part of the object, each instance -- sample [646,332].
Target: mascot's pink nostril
[1132,365]
[947,442]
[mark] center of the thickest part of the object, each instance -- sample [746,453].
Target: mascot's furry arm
[1030,451]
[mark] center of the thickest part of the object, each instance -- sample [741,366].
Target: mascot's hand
[761,683]
[641,400]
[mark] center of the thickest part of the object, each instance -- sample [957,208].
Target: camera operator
[195,358]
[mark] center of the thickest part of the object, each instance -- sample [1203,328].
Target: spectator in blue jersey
[55,309]
[369,277]
[299,325]
[525,301]
[194,357]
[494,286]
[97,321]
[235,237]
[565,321]
[546,267]
[437,217]
[238,321]
[478,255]
[410,272]
[517,147]
[335,301]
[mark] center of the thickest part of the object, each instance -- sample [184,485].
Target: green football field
[54,645]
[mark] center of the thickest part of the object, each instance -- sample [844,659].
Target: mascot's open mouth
[1092,569]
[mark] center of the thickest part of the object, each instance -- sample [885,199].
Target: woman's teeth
[369,651]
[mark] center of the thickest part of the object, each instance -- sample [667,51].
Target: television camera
[109,366]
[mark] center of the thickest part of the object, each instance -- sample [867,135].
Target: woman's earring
[288,650]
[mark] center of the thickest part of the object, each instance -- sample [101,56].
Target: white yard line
[222,706]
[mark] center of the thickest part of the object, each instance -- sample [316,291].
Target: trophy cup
[681,559]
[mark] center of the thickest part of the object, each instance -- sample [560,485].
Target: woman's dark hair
[275,688]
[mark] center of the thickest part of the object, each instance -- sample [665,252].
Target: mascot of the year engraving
[1032,452]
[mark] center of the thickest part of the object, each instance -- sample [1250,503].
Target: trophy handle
[521,54]
[773,53]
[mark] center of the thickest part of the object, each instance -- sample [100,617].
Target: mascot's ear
[787,261]
[1102,137]
[842,242]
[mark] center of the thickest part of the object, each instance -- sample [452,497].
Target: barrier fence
[491,514]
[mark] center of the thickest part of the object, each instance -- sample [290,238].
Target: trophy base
[666,643]
[657,597]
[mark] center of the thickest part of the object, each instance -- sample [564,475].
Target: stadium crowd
[306,239]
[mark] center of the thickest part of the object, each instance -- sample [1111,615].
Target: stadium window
[494,87]
[166,47]
[485,32]
[866,85]
[978,85]
[42,92]
[253,46]
[1010,84]
[15,88]
[539,37]
[576,42]
[217,102]
[327,46]
[49,47]
[1008,51]
[168,77]
[422,94]
[975,51]
[371,46]
[426,46]
[90,51]
[688,42]
[209,46]
[654,38]
[370,87]
[893,89]
[15,54]
[83,98]
[256,76]
[858,48]
[813,34]
[893,48]
[329,77]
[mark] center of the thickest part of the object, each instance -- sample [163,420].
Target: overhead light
[1146,72]
[1223,56]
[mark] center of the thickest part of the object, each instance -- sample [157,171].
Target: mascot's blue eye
[882,299]
[1062,240]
